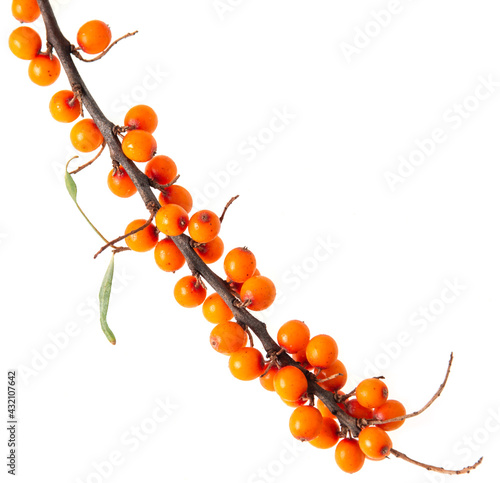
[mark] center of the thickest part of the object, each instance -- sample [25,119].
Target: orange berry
[301,358]
[258,292]
[290,383]
[375,443]
[267,381]
[189,292]
[295,404]
[25,43]
[325,412]
[142,117]
[372,393]
[64,106]
[120,184]
[204,226]
[25,10]
[167,256]
[43,70]
[246,364]
[162,169]
[210,252]
[293,336]
[389,410]
[305,423]
[322,351]
[139,146]
[93,37]
[328,436]
[337,382]
[355,409]
[176,195]
[240,264]
[228,337]
[172,220]
[349,456]
[85,136]
[143,240]
[215,310]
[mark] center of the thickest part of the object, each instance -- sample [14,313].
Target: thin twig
[76,53]
[162,187]
[416,413]
[120,238]
[83,166]
[437,469]
[320,381]
[229,203]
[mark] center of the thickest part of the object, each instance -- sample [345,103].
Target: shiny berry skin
[355,409]
[322,351]
[120,184]
[172,220]
[267,381]
[389,410]
[142,117]
[43,70]
[64,106]
[325,412]
[337,382]
[240,264]
[301,358]
[228,337]
[290,383]
[189,292]
[143,240]
[305,423]
[167,256]
[25,43]
[374,442]
[293,336]
[372,393]
[349,456]
[176,195]
[215,310]
[85,136]
[328,436]
[25,10]
[258,293]
[204,226]
[139,146]
[161,169]
[93,37]
[212,251]
[246,364]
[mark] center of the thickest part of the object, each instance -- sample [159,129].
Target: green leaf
[70,184]
[104,295]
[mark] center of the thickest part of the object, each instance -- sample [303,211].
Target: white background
[219,77]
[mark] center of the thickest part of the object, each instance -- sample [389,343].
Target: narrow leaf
[70,186]
[104,295]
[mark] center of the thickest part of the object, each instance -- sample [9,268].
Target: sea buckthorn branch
[143,184]
[350,425]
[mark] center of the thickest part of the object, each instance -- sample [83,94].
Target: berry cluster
[300,362]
